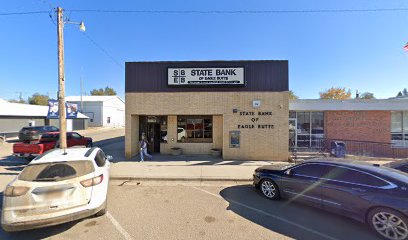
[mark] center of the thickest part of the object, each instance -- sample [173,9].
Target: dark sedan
[369,193]
[401,165]
[27,134]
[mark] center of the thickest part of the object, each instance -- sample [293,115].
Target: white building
[103,111]
[14,116]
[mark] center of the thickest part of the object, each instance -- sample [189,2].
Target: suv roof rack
[89,152]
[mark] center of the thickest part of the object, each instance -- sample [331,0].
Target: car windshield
[49,137]
[56,171]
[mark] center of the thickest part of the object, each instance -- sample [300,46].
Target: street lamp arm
[81,24]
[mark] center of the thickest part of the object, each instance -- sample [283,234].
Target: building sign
[255,118]
[53,109]
[206,76]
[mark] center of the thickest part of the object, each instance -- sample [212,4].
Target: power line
[103,50]
[241,11]
[372,10]
[22,13]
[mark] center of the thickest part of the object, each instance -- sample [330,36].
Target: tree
[367,95]
[38,99]
[335,93]
[103,92]
[403,93]
[292,95]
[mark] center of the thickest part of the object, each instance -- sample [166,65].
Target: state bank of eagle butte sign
[233,76]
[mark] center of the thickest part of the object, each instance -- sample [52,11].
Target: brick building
[377,127]
[241,108]
[237,107]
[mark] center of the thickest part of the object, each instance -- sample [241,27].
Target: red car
[49,141]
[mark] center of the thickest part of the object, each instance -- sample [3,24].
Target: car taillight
[15,191]
[92,181]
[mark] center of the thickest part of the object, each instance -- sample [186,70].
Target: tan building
[239,108]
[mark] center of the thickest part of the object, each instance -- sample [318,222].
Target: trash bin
[338,149]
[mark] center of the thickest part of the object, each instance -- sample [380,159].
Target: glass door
[292,133]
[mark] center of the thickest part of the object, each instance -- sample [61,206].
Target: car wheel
[269,189]
[388,223]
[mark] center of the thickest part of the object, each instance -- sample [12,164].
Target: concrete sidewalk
[190,168]
[186,170]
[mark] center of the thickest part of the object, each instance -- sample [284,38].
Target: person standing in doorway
[143,149]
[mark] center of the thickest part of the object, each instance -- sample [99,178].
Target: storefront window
[399,129]
[309,132]
[317,123]
[303,123]
[194,129]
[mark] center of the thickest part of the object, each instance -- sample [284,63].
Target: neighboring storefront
[239,108]
[377,127]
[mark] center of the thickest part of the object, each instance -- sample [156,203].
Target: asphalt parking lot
[155,211]
[165,210]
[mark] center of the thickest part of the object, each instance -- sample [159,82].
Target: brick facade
[258,142]
[366,133]
[372,126]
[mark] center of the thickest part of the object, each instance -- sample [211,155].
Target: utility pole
[61,81]
[82,107]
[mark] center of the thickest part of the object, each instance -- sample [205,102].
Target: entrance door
[153,136]
[292,133]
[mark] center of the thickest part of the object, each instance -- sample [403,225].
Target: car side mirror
[289,172]
[109,157]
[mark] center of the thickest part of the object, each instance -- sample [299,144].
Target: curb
[195,179]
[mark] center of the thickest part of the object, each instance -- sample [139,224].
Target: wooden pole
[61,81]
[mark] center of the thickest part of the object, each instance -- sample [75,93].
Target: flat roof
[26,110]
[91,98]
[392,104]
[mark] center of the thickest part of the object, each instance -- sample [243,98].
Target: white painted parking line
[125,234]
[268,214]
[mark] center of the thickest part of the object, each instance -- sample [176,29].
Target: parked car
[401,165]
[49,141]
[373,194]
[56,188]
[27,134]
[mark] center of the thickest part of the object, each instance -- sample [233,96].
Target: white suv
[56,188]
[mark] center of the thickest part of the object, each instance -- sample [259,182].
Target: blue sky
[354,50]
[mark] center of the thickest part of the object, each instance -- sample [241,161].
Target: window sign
[235,139]
[205,76]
